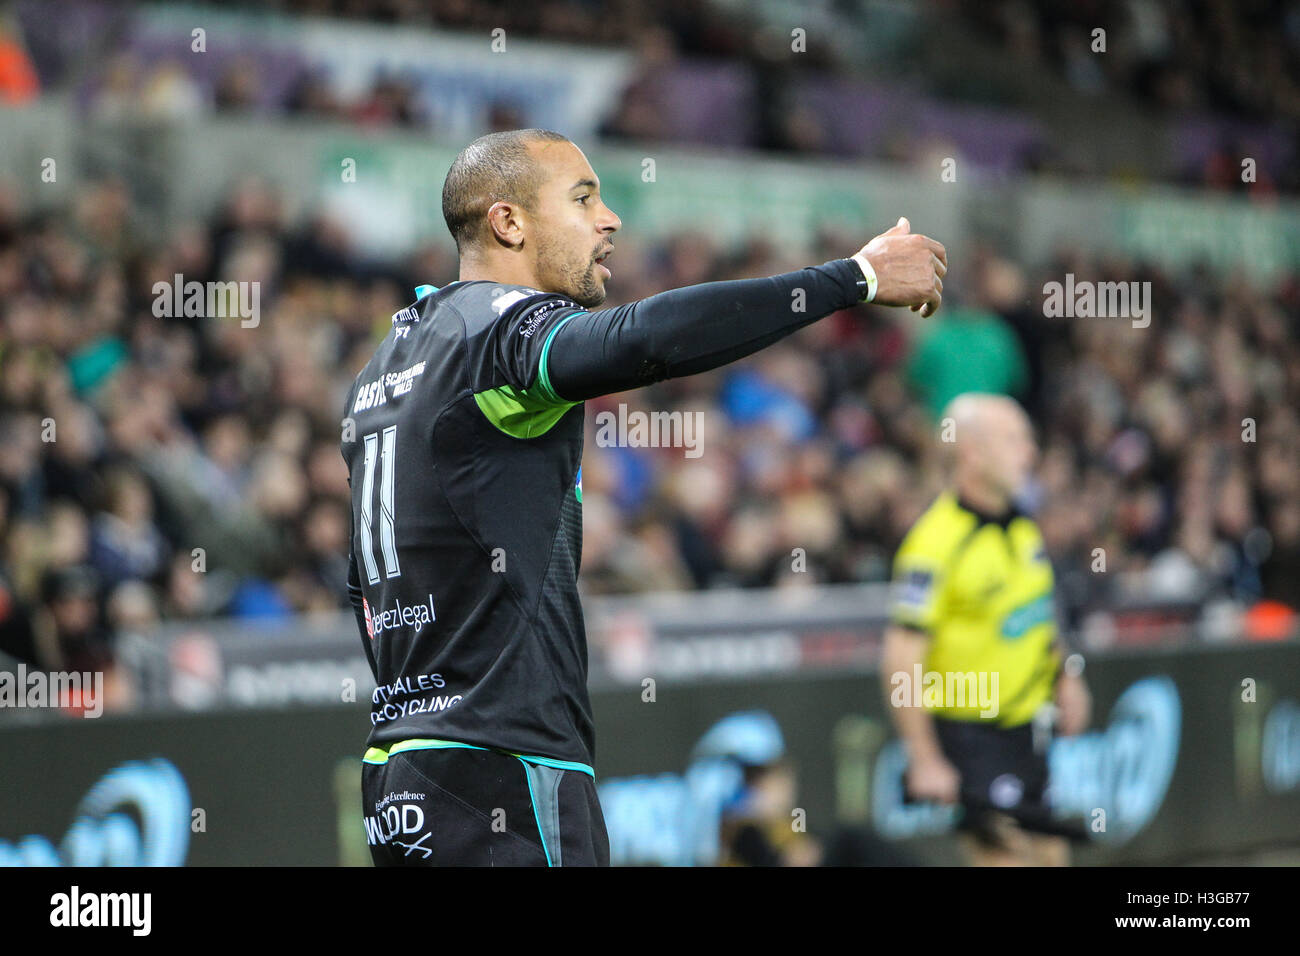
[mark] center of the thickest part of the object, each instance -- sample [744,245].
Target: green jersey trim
[543,374]
[380,755]
[521,413]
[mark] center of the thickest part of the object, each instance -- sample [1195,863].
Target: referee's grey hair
[494,168]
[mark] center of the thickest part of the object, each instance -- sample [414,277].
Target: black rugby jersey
[463,440]
[467,527]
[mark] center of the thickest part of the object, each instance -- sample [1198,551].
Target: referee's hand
[1073,706]
[909,268]
[933,778]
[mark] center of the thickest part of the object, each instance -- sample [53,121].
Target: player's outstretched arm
[701,327]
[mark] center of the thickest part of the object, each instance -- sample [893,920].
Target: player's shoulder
[483,303]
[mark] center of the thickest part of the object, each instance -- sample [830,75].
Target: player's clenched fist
[909,268]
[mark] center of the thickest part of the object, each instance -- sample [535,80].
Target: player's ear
[504,219]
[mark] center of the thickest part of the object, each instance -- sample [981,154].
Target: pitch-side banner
[1191,754]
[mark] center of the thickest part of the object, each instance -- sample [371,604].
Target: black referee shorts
[455,806]
[1001,772]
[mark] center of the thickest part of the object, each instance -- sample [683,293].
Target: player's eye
[583,199]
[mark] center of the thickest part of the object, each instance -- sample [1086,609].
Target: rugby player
[973,600]
[463,439]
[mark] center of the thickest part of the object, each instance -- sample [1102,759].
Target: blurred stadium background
[173,502]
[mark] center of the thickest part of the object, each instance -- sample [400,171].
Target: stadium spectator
[125,545]
[18,81]
[968,350]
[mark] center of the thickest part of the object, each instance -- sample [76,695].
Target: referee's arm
[929,774]
[916,608]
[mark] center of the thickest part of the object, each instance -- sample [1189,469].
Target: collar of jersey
[422,290]
[983,517]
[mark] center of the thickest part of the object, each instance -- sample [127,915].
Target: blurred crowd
[1238,57]
[1172,450]
[1226,56]
[173,468]
[1224,74]
[699,24]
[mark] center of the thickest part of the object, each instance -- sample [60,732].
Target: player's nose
[609,222]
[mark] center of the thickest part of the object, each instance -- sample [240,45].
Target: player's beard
[574,277]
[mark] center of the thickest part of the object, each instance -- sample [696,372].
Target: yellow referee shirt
[981,587]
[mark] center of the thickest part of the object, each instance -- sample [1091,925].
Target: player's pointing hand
[909,268]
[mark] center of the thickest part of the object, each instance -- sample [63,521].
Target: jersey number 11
[386,537]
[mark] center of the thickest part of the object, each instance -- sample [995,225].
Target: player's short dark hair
[494,168]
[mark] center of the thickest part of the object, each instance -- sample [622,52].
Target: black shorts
[1001,772]
[456,806]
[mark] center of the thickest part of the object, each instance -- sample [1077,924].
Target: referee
[463,440]
[972,609]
